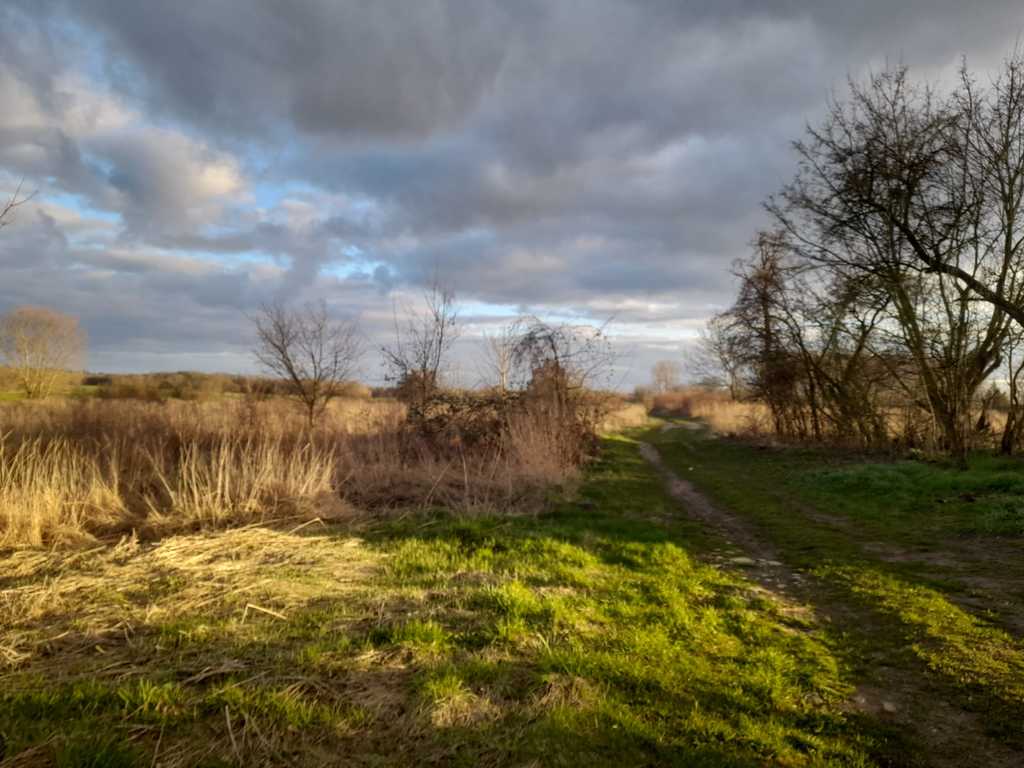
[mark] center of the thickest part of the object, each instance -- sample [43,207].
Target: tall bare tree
[41,346]
[923,195]
[314,355]
[415,359]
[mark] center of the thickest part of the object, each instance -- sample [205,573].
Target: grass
[921,560]
[903,502]
[910,498]
[587,634]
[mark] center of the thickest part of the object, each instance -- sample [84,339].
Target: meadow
[588,632]
[208,583]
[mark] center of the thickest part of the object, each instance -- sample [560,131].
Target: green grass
[922,560]
[907,501]
[952,641]
[591,634]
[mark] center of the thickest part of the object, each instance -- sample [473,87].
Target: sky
[586,161]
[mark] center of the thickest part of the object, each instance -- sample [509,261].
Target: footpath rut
[761,562]
[944,734]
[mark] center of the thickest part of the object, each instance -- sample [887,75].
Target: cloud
[586,158]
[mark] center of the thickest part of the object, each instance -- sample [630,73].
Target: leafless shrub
[560,368]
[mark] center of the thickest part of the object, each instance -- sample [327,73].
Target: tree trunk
[1009,439]
[955,437]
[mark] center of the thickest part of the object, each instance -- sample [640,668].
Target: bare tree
[666,375]
[717,358]
[16,199]
[499,356]
[311,353]
[923,196]
[415,360]
[40,345]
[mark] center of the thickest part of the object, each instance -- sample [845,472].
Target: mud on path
[898,691]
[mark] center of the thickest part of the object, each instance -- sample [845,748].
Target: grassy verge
[589,634]
[899,545]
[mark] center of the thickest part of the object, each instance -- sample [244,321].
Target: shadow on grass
[588,635]
[893,557]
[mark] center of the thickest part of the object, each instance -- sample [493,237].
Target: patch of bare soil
[946,734]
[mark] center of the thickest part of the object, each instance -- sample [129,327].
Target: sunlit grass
[900,544]
[589,633]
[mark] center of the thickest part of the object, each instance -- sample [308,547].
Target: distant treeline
[180,385]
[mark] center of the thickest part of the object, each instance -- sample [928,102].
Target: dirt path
[760,561]
[989,572]
[902,694]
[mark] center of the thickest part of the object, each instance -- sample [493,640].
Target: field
[825,611]
[75,471]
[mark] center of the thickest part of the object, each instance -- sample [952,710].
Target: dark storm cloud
[582,156]
[360,68]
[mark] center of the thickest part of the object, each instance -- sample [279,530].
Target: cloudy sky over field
[579,160]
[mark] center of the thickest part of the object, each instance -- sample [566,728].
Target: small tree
[422,342]
[716,360]
[499,357]
[313,355]
[666,375]
[40,345]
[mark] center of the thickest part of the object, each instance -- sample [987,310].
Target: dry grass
[624,417]
[909,425]
[127,588]
[50,490]
[716,408]
[72,471]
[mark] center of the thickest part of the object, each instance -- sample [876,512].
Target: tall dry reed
[75,470]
